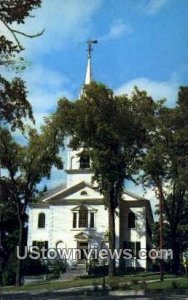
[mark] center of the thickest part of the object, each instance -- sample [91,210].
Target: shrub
[143,285]
[57,267]
[125,286]
[114,284]
[134,281]
[9,273]
[175,284]
[98,270]
[34,267]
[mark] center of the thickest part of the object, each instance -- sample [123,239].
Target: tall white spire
[88,77]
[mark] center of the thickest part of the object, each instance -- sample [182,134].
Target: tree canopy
[23,165]
[165,167]
[14,106]
[112,130]
[12,12]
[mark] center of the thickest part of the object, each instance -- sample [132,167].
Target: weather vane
[90,42]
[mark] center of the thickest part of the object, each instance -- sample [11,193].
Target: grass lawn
[137,281]
[173,283]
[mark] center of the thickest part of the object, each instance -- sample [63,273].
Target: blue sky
[140,42]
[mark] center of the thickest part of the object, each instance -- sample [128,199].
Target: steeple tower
[78,163]
[88,77]
[89,74]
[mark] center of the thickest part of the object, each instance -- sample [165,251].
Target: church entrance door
[83,247]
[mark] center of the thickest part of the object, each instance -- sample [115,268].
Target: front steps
[74,271]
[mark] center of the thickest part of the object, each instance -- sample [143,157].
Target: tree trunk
[176,254]
[1,252]
[20,245]
[111,227]
[161,235]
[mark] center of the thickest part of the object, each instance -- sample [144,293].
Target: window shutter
[92,220]
[74,220]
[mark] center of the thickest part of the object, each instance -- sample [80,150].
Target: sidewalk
[92,289]
[89,293]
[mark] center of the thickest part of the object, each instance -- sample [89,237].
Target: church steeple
[89,74]
[88,77]
[78,163]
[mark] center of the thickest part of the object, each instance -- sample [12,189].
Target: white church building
[73,215]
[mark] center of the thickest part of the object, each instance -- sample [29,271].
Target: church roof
[64,192]
[53,191]
[63,195]
[134,195]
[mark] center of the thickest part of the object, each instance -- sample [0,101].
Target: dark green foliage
[112,131]
[98,270]
[24,166]
[17,10]
[175,285]
[34,267]
[165,167]
[14,105]
[14,11]
[57,267]
[124,135]
[9,272]
[110,128]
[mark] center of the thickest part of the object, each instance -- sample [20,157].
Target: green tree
[165,166]
[13,101]
[111,129]
[15,12]
[14,106]
[25,167]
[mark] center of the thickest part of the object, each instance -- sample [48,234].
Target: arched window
[41,220]
[59,244]
[84,161]
[83,193]
[83,216]
[131,220]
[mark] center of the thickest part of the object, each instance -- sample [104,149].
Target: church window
[59,244]
[92,219]
[41,245]
[83,193]
[41,220]
[84,161]
[131,220]
[83,216]
[74,220]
